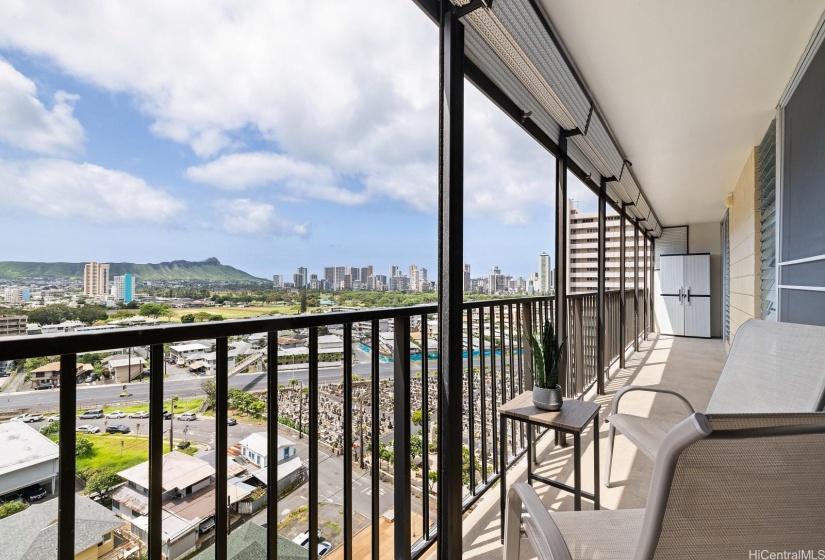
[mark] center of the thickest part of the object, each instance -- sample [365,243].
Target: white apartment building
[96,279]
[583,256]
[468,281]
[545,277]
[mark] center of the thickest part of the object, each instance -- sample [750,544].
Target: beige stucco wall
[744,248]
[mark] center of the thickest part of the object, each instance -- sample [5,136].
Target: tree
[11,508]
[53,428]
[257,408]
[209,390]
[465,466]
[416,447]
[432,478]
[188,318]
[154,309]
[102,481]
[34,363]
[303,301]
[418,417]
[82,446]
[216,317]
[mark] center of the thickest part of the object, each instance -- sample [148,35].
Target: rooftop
[22,446]
[257,442]
[32,534]
[179,471]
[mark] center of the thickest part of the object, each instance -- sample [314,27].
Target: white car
[88,429]
[27,418]
[51,419]
[187,417]
[116,414]
[139,414]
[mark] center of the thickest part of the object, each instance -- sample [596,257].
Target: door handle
[688,296]
[680,296]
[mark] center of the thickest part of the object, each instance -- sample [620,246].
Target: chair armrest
[547,540]
[614,406]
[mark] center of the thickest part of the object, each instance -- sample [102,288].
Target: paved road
[92,396]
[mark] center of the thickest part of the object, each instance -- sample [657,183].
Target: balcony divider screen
[766,182]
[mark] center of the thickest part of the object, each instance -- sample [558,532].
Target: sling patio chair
[772,367]
[723,487]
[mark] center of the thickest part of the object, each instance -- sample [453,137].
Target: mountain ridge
[207,270]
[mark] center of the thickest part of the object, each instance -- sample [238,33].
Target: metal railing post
[622,281]
[401,408]
[527,357]
[600,303]
[636,286]
[450,291]
[156,451]
[578,339]
[67,460]
[561,258]
[272,443]
[221,444]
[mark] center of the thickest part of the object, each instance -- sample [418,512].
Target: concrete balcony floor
[690,366]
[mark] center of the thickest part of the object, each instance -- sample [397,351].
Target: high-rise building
[394,271]
[414,279]
[13,295]
[277,280]
[300,278]
[583,253]
[468,282]
[366,273]
[545,283]
[123,288]
[96,279]
[496,281]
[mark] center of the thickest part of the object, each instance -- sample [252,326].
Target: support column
[450,283]
[600,302]
[622,282]
[636,286]
[646,295]
[561,259]
[652,284]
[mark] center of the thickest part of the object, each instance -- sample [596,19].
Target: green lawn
[107,451]
[182,405]
[236,312]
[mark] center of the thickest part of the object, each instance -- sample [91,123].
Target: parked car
[139,414]
[184,444]
[324,546]
[207,525]
[51,419]
[34,492]
[13,497]
[188,417]
[231,421]
[92,377]
[167,415]
[90,414]
[27,418]
[116,414]
[118,429]
[88,429]
[44,386]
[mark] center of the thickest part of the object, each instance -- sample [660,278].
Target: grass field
[108,451]
[181,405]
[235,312]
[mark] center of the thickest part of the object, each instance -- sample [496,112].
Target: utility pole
[171,421]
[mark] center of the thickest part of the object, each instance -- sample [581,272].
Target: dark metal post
[401,408]
[601,265]
[561,259]
[645,294]
[652,284]
[66,461]
[272,444]
[221,443]
[450,286]
[347,446]
[156,452]
[622,282]
[375,433]
[636,286]
[313,443]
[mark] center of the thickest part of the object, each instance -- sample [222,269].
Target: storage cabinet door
[670,314]
[672,274]
[697,316]
[697,274]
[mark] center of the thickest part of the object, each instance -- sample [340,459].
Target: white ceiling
[687,87]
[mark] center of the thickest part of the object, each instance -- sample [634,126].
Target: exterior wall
[88,554]
[43,473]
[706,238]
[105,547]
[744,249]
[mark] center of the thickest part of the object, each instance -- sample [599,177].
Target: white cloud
[340,92]
[85,193]
[258,169]
[26,123]
[248,218]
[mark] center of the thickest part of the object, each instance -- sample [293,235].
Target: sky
[270,135]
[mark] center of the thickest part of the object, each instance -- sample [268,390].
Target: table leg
[502,449]
[596,463]
[530,454]
[577,472]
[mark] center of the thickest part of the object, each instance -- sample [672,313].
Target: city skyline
[112,156]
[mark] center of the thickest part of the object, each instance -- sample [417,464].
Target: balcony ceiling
[687,87]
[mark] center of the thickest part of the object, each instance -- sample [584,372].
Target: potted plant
[545,368]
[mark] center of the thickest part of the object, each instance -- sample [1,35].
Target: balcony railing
[496,369]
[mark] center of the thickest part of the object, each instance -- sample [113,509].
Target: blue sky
[271,140]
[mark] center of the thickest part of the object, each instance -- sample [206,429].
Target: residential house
[124,370]
[28,457]
[289,466]
[50,373]
[32,533]
[183,352]
[248,542]
[188,500]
